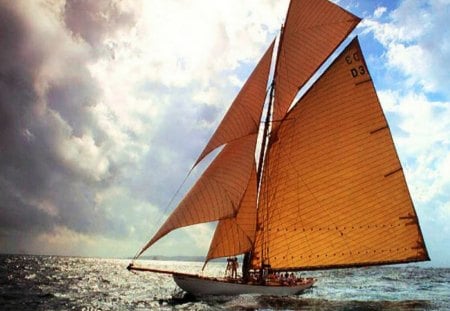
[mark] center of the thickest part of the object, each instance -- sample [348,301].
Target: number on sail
[356,69]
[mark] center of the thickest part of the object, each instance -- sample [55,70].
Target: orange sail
[218,192]
[333,192]
[236,235]
[243,117]
[313,30]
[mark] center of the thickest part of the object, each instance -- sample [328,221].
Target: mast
[268,118]
[264,146]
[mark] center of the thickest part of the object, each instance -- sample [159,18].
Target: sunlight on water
[60,283]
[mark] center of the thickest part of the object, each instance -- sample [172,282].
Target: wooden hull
[200,286]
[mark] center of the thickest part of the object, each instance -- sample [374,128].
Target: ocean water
[72,283]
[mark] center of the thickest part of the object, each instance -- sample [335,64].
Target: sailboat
[322,187]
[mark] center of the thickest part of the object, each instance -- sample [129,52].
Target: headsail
[313,30]
[333,192]
[243,117]
[236,235]
[218,193]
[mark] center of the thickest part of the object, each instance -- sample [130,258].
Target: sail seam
[393,172]
[325,24]
[379,129]
[362,82]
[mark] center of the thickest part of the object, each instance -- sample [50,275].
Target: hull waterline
[200,286]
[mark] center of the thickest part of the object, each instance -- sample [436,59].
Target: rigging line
[262,159]
[318,202]
[270,192]
[166,208]
[265,96]
[266,139]
[300,179]
[278,154]
[269,213]
[315,26]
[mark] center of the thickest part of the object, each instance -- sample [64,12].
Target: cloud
[55,155]
[416,45]
[423,143]
[417,42]
[105,105]
[96,21]
[379,11]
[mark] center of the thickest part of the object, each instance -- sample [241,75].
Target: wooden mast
[264,145]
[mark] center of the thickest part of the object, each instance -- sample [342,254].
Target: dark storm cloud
[92,20]
[19,171]
[46,100]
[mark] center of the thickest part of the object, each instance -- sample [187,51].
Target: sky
[105,106]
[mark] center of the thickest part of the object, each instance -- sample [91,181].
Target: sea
[72,283]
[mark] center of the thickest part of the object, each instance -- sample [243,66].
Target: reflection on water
[49,282]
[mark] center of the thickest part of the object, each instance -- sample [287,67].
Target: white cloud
[123,96]
[379,11]
[63,241]
[417,40]
[421,136]
[188,241]
[176,43]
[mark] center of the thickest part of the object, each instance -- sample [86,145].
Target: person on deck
[228,269]
[234,267]
[292,279]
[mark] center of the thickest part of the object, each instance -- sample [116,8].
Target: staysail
[333,192]
[236,235]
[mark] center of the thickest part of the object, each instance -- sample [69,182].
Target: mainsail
[333,192]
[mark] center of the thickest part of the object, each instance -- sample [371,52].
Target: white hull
[199,286]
